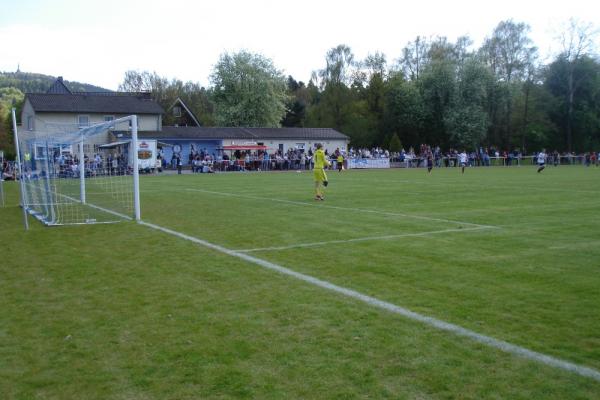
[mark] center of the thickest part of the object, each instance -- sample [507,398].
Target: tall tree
[577,41]
[298,100]
[507,52]
[9,97]
[583,114]
[375,64]
[404,110]
[437,86]
[530,72]
[248,91]
[466,119]
[415,56]
[335,78]
[339,62]
[165,92]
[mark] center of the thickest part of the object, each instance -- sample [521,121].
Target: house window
[29,123]
[138,122]
[177,111]
[83,120]
[109,118]
[40,152]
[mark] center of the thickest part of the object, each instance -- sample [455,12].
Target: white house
[60,106]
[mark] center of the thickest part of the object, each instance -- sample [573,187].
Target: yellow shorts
[320,175]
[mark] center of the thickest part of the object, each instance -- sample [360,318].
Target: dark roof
[59,87]
[102,102]
[250,134]
[185,107]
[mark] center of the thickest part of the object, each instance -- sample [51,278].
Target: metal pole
[22,182]
[81,171]
[136,173]
[50,200]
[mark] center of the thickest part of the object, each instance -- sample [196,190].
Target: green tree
[437,85]
[9,97]
[577,41]
[298,100]
[395,144]
[166,92]
[336,96]
[415,56]
[466,119]
[248,91]
[508,53]
[582,115]
[404,110]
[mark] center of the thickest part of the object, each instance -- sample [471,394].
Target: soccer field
[239,285]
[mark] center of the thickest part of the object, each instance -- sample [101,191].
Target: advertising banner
[367,163]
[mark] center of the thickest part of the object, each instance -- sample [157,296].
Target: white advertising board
[367,163]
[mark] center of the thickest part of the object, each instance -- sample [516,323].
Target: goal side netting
[79,174]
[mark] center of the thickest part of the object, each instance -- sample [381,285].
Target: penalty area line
[384,305]
[363,239]
[320,205]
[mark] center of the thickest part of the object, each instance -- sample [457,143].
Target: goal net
[70,176]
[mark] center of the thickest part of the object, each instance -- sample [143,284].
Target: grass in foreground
[120,311]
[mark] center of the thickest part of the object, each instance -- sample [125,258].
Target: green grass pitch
[122,311]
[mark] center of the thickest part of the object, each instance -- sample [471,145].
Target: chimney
[60,79]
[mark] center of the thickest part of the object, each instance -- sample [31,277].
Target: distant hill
[28,82]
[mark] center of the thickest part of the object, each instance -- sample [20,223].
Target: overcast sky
[97,41]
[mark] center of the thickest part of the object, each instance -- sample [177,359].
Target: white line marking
[496,186]
[321,205]
[432,322]
[363,239]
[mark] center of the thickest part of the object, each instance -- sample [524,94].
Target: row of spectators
[482,157]
[293,159]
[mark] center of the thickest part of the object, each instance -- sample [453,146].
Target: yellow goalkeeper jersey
[320,159]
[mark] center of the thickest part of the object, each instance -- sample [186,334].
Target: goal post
[74,174]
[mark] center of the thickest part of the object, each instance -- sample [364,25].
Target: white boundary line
[429,321]
[321,205]
[455,182]
[363,239]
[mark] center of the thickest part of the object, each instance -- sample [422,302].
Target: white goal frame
[77,136]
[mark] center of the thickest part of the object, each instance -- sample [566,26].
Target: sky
[97,41]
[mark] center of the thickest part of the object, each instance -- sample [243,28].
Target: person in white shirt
[463,160]
[541,160]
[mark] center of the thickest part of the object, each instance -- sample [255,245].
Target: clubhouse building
[59,105]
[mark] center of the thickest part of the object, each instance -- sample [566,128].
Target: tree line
[437,92]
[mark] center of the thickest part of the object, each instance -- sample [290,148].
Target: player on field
[321,162]
[541,160]
[340,162]
[463,159]
[429,161]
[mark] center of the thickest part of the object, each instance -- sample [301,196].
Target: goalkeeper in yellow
[321,162]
